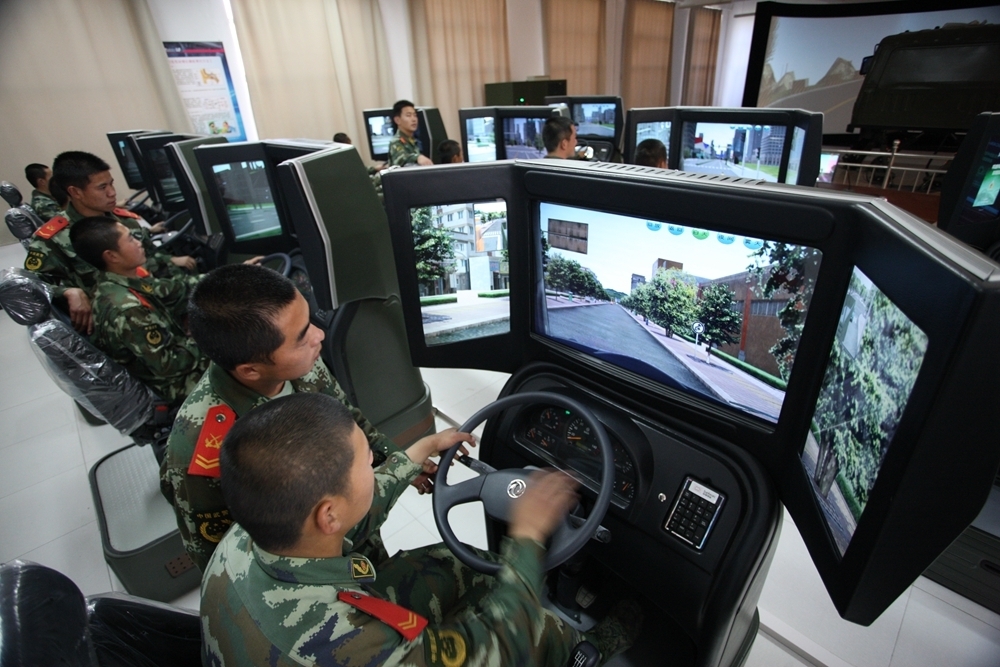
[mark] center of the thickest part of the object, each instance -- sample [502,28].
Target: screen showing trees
[462,270]
[715,315]
[871,372]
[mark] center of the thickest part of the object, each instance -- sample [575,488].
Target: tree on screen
[567,275]
[787,268]
[667,300]
[715,311]
[433,246]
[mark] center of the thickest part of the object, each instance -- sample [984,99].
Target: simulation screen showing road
[522,138]
[744,151]
[656,130]
[462,270]
[714,315]
[872,368]
[481,140]
[247,195]
[594,119]
[380,131]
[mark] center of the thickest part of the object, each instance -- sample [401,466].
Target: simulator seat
[138,528]
[45,620]
[10,194]
[22,221]
[344,238]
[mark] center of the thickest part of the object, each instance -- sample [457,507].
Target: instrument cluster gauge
[579,435]
[551,418]
[626,489]
[540,438]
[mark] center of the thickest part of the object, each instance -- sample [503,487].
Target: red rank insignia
[125,213]
[52,227]
[141,298]
[403,621]
[141,272]
[218,421]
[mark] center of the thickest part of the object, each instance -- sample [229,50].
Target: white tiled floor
[47,516]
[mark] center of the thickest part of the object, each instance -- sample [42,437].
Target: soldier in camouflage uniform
[42,201]
[251,363]
[284,588]
[404,149]
[139,319]
[88,182]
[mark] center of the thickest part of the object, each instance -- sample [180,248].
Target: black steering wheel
[286,262]
[500,489]
[171,237]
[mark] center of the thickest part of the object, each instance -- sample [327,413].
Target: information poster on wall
[206,87]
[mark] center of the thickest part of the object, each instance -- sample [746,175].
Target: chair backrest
[10,193]
[22,221]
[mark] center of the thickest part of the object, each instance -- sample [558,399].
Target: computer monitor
[184,164]
[242,183]
[648,123]
[126,157]
[833,337]
[379,130]
[479,134]
[970,209]
[597,117]
[158,174]
[519,131]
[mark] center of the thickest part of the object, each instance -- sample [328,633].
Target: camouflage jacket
[55,261]
[261,609]
[140,323]
[45,206]
[403,150]
[202,517]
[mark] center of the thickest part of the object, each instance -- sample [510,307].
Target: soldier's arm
[376,440]
[391,480]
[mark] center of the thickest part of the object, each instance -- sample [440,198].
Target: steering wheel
[169,238]
[500,489]
[286,262]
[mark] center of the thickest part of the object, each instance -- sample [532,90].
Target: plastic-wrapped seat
[45,620]
[22,221]
[10,194]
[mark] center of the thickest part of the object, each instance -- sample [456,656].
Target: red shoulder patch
[142,273]
[218,421]
[143,300]
[402,620]
[52,227]
[125,213]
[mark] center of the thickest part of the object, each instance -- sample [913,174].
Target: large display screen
[380,131]
[595,119]
[522,138]
[462,270]
[712,314]
[246,193]
[871,372]
[745,151]
[481,139]
[165,175]
[812,62]
[795,155]
[132,174]
[656,130]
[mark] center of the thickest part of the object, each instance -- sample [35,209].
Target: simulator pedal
[693,515]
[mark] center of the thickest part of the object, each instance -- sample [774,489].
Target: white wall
[734,49]
[207,21]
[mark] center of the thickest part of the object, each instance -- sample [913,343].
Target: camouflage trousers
[432,582]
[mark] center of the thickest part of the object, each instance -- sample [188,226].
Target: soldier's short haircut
[281,459]
[398,107]
[232,313]
[448,149]
[555,130]
[33,172]
[341,138]
[650,153]
[92,236]
[74,169]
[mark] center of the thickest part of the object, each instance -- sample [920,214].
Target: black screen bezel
[570,100]
[148,142]
[123,136]
[478,112]
[375,113]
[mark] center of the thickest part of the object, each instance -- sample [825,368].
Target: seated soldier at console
[139,320]
[559,137]
[285,586]
[254,325]
[42,201]
[86,180]
[651,153]
[403,149]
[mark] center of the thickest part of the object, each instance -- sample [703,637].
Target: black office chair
[45,620]
[22,221]
[10,194]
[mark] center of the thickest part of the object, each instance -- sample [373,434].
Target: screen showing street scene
[595,120]
[481,144]
[462,270]
[873,366]
[659,130]
[381,131]
[711,314]
[522,138]
[745,151]
[795,155]
[247,196]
